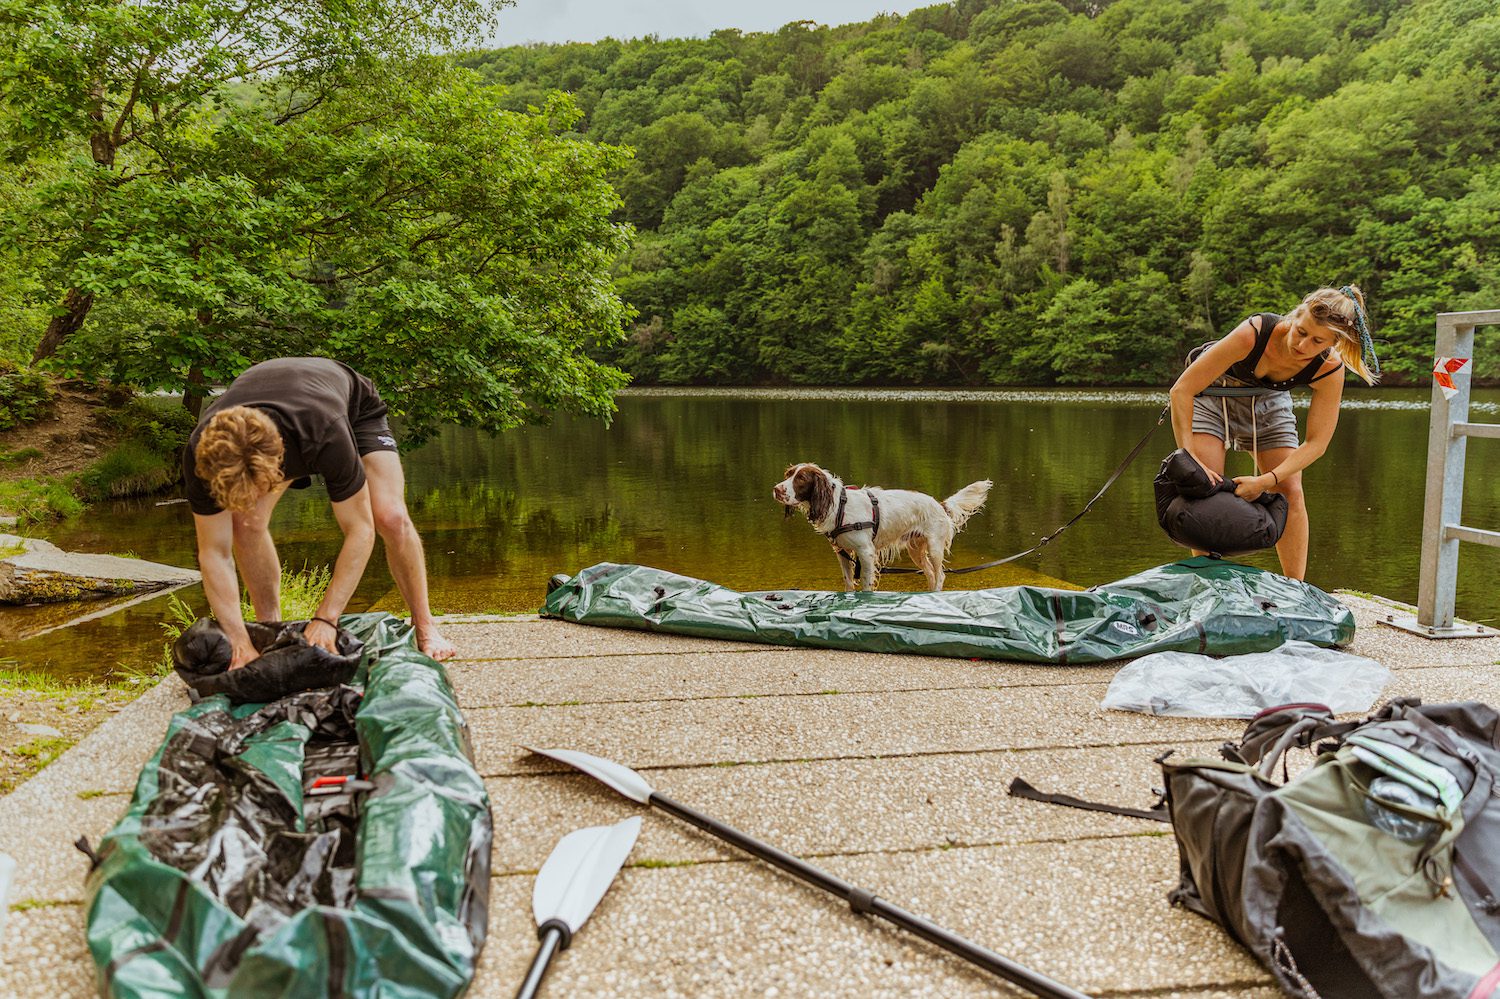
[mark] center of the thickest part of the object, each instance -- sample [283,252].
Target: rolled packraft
[1208,516]
[287,663]
[333,843]
[1197,605]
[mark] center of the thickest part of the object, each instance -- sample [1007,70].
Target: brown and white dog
[875,525]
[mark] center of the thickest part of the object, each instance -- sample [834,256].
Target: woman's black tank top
[1244,369]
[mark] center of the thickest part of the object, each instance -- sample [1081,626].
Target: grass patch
[42,750]
[11,550]
[19,456]
[27,904]
[36,501]
[90,795]
[15,680]
[301,592]
[657,864]
[130,469]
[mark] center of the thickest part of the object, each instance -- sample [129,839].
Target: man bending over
[278,424]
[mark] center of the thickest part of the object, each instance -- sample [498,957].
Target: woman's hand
[1248,487]
[1214,478]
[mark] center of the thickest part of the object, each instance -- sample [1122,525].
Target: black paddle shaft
[863,902]
[552,936]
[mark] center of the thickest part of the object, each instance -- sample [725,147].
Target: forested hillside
[1033,192]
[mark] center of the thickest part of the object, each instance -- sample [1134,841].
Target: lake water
[682,481]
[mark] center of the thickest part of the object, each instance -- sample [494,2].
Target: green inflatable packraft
[1196,605]
[334,842]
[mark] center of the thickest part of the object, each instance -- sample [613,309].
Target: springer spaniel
[874,525]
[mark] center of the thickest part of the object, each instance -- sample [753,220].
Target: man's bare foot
[435,645]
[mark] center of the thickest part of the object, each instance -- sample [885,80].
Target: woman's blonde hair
[1343,311]
[239,457]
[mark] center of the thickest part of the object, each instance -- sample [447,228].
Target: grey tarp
[1196,605]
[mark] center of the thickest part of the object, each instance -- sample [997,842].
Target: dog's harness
[839,527]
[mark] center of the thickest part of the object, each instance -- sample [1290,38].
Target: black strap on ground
[1120,470]
[1020,789]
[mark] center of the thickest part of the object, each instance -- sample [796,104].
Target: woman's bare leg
[1209,451]
[1292,548]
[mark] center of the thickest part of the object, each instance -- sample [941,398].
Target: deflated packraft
[1197,605]
[335,842]
[1373,874]
[1208,516]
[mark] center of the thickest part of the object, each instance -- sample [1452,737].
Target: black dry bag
[1209,517]
[287,663]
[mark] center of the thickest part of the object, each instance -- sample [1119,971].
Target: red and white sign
[1445,370]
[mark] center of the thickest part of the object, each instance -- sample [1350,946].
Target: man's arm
[220,584]
[358,524]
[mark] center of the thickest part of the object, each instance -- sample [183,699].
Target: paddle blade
[623,779]
[580,870]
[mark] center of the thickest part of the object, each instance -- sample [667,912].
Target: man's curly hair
[239,457]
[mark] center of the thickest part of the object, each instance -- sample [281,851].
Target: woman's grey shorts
[1247,423]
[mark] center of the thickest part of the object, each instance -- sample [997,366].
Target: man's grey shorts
[1247,423]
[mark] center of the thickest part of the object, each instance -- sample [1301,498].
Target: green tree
[364,203]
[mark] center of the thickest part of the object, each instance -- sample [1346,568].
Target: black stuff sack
[287,663]
[1208,516]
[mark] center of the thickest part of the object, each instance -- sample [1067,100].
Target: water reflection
[682,480]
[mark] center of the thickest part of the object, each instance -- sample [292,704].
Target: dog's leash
[1135,452]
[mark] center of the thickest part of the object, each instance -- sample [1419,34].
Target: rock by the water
[40,572]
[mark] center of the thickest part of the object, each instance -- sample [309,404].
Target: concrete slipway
[891,771]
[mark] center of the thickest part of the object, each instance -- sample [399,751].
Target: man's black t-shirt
[317,404]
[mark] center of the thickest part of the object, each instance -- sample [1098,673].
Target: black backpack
[1371,873]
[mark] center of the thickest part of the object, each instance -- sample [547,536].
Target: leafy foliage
[1032,192]
[249,179]
[25,395]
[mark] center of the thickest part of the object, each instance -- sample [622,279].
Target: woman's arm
[1199,375]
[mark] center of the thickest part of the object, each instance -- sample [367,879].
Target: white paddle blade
[623,779]
[580,870]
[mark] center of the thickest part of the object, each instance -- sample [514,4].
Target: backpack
[1371,873]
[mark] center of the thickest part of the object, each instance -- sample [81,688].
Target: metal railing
[1447,445]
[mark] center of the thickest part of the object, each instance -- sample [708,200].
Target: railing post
[1442,523]
[1438,587]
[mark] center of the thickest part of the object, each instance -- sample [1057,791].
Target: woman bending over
[1312,345]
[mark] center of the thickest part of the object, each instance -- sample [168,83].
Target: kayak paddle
[633,786]
[570,884]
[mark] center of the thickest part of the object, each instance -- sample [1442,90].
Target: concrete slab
[741,929]
[896,781]
[756,671]
[534,638]
[45,954]
[834,726]
[844,806]
[1403,650]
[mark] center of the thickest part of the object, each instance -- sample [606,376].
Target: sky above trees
[591,20]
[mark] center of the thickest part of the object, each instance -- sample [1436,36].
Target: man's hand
[243,654]
[322,634]
[1248,487]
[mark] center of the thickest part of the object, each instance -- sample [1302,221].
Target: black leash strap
[1134,453]
[1020,789]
